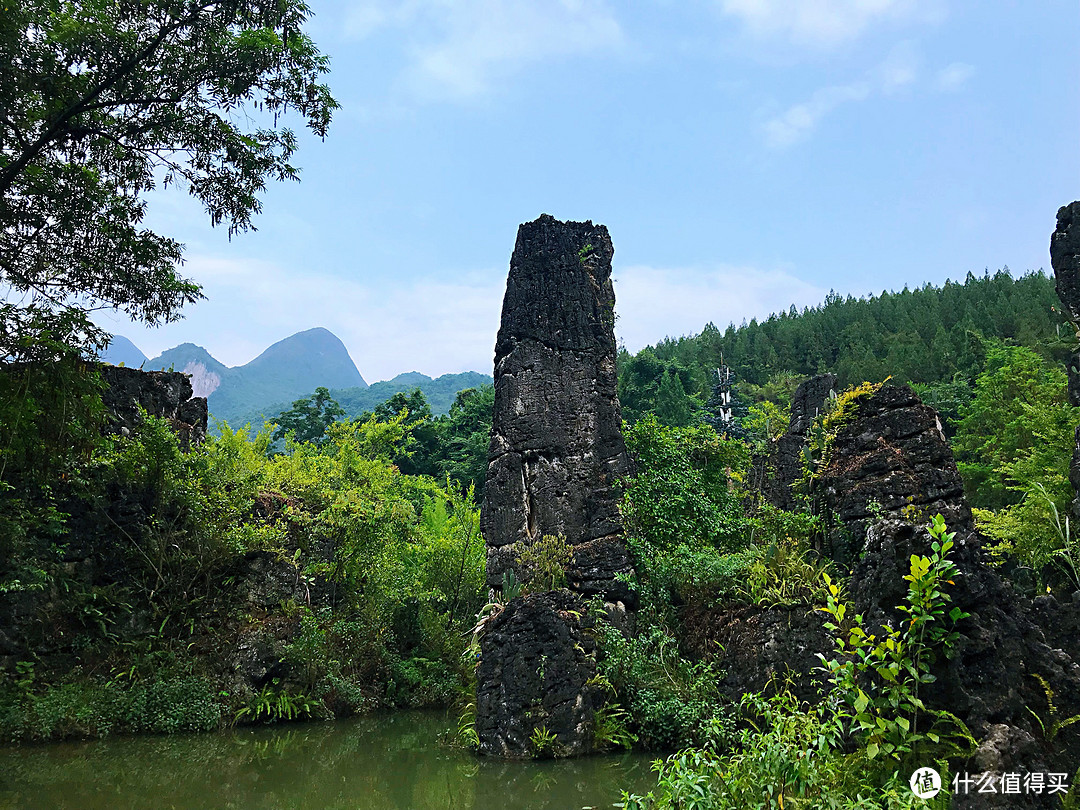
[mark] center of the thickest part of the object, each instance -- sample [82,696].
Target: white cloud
[460,50]
[799,120]
[954,77]
[653,303]
[899,69]
[826,23]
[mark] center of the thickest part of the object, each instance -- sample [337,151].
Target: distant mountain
[206,372]
[290,369]
[122,352]
[440,394]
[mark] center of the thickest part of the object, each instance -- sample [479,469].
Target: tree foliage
[929,335]
[999,424]
[309,418]
[101,102]
[454,445]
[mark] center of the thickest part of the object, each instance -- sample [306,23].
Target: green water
[388,762]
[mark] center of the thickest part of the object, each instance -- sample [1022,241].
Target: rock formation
[167,394]
[1065,259]
[537,660]
[557,448]
[892,460]
[556,455]
[889,470]
[783,466]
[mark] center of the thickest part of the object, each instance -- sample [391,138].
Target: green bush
[97,710]
[877,678]
[398,559]
[544,562]
[671,701]
[683,491]
[788,756]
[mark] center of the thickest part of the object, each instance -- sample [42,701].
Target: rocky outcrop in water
[557,448]
[538,656]
[556,455]
[166,394]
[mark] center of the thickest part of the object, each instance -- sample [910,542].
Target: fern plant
[1052,725]
[270,705]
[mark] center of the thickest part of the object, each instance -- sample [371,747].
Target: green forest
[318,566]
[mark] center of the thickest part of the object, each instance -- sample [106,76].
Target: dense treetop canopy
[102,101]
[931,336]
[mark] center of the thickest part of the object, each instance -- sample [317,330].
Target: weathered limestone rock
[161,393]
[783,466]
[1065,259]
[893,461]
[557,449]
[556,455]
[890,470]
[757,648]
[809,402]
[537,658]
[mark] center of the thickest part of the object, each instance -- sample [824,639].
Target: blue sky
[745,155]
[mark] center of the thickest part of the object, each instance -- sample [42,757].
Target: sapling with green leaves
[878,676]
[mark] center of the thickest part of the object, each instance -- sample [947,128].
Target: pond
[381,762]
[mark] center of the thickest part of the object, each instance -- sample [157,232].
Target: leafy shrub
[787,757]
[544,562]
[878,680]
[683,490]
[96,710]
[344,695]
[782,574]
[671,701]
[764,422]
[418,682]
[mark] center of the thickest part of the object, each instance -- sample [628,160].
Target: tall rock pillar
[1065,259]
[557,447]
[556,455]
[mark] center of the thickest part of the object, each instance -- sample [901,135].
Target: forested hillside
[931,336]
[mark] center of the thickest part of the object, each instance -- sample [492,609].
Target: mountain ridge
[288,370]
[439,392]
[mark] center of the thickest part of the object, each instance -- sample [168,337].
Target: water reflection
[388,762]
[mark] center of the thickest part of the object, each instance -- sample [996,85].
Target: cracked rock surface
[556,456]
[557,448]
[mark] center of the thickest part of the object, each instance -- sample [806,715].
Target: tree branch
[12,171]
